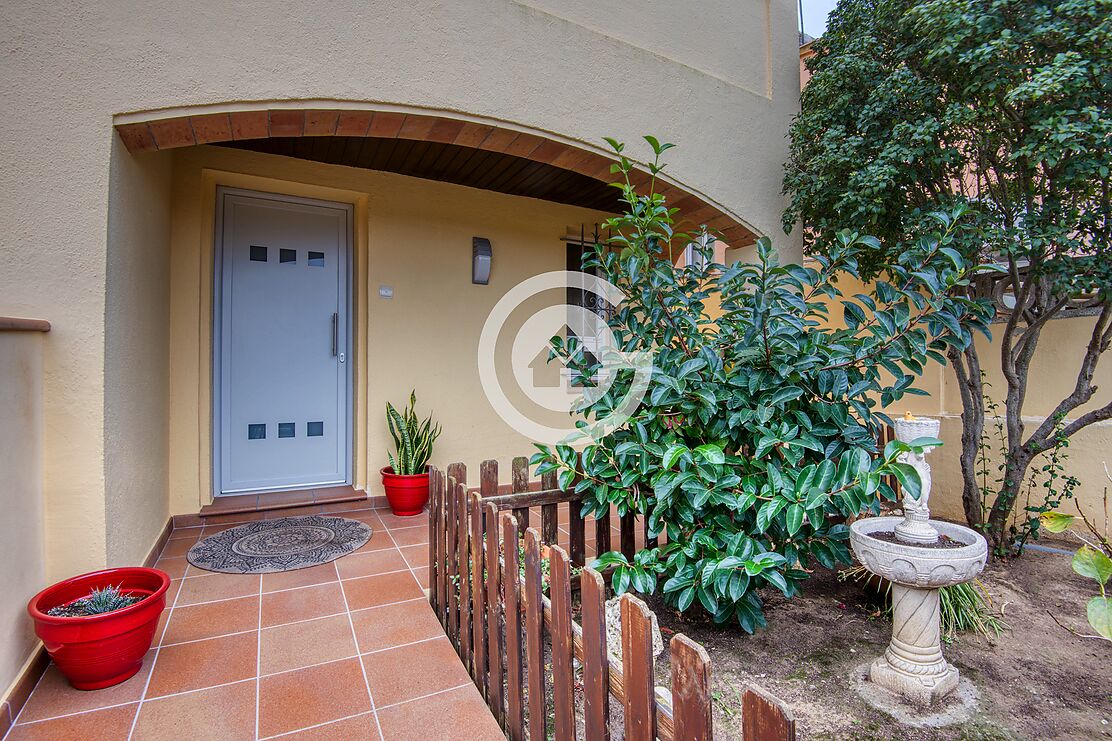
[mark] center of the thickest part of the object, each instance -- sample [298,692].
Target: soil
[944,541]
[1035,681]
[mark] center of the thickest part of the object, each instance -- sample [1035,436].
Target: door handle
[335,332]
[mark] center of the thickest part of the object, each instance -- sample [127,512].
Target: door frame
[218,330]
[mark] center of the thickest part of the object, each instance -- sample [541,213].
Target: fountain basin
[918,566]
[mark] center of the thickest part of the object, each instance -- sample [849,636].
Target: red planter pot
[99,651]
[407,494]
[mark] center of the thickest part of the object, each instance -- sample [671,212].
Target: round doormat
[279,545]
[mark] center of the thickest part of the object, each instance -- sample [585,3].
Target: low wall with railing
[487,587]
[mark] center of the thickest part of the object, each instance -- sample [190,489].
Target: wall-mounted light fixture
[480,260]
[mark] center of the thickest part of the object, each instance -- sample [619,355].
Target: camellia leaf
[794,518]
[1093,564]
[672,454]
[1099,612]
[711,454]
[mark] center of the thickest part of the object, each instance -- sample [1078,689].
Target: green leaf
[712,454]
[908,478]
[672,454]
[1099,612]
[794,518]
[1093,564]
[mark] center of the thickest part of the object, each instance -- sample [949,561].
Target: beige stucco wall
[21,501]
[71,68]
[136,355]
[413,235]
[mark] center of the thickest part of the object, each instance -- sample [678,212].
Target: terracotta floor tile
[456,715]
[306,697]
[191,533]
[422,575]
[342,509]
[416,555]
[237,502]
[372,591]
[398,674]
[410,535]
[302,604]
[54,695]
[175,567]
[207,663]
[332,493]
[217,586]
[176,548]
[394,625]
[379,539]
[371,562]
[193,622]
[392,521]
[302,644]
[319,574]
[214,528]
[362,727]
[111,724]
[232,519]
[302,511]
[226,713]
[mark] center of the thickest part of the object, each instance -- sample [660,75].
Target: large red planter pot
[407,494]
[98,651]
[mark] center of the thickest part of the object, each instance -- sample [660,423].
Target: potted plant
[406,479]
[98,626]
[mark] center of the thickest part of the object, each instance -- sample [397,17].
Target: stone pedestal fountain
[918,556]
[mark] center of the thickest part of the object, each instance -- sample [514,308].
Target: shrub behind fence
[490,600]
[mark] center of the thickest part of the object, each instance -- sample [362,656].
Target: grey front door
[282,350]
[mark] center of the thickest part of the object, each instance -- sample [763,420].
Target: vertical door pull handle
[335,332]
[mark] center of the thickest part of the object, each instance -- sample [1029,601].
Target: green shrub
[757,436]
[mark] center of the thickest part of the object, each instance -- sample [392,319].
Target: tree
[757,435]
[1003,107]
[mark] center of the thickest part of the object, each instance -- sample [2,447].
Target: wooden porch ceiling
[450,163]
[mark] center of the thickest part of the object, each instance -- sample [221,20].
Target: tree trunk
[1015,473]
[968,369]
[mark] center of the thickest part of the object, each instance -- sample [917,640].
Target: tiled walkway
[346,650]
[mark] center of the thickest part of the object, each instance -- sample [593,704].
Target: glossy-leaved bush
[757,435]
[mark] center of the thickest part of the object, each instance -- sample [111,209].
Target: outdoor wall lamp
[480,261]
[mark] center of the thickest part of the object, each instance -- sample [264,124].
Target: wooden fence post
[550,515]
[463,513]
[596,660]
[534,636]
[691,702]
[434,530]
[763,719]
[478,596]
[496,692]
[515,715]
[519,484]
[637,670]
[563,654]
[452,582]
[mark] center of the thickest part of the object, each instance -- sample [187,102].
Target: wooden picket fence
[490,600]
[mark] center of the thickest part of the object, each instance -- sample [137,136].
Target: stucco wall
[136,355]
[70,67]
[412,235]
[21,501]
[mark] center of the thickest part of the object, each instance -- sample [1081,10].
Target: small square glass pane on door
[256,432]
[287,256]
[286,429]
[315,429]
[316,259]
[258,254]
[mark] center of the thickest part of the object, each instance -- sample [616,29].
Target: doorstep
[305,501]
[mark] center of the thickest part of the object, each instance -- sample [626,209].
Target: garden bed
[1035,680]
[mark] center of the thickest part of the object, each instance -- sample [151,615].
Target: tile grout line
[154,662]
[259,658]
[355,639]
[425,697]
[410,569]
[319,725]
[25,704]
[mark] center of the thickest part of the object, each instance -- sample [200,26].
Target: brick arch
[197,126]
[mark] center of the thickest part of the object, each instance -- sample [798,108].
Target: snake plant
[413,439]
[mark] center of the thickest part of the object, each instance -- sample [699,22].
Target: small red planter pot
[407,494]
[99,651]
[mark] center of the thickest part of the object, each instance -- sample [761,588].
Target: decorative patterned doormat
[285,544]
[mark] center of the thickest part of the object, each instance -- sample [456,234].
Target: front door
[282,350]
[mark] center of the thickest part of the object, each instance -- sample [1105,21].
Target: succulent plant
[413,438]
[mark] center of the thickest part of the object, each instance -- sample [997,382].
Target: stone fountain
[918,556]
